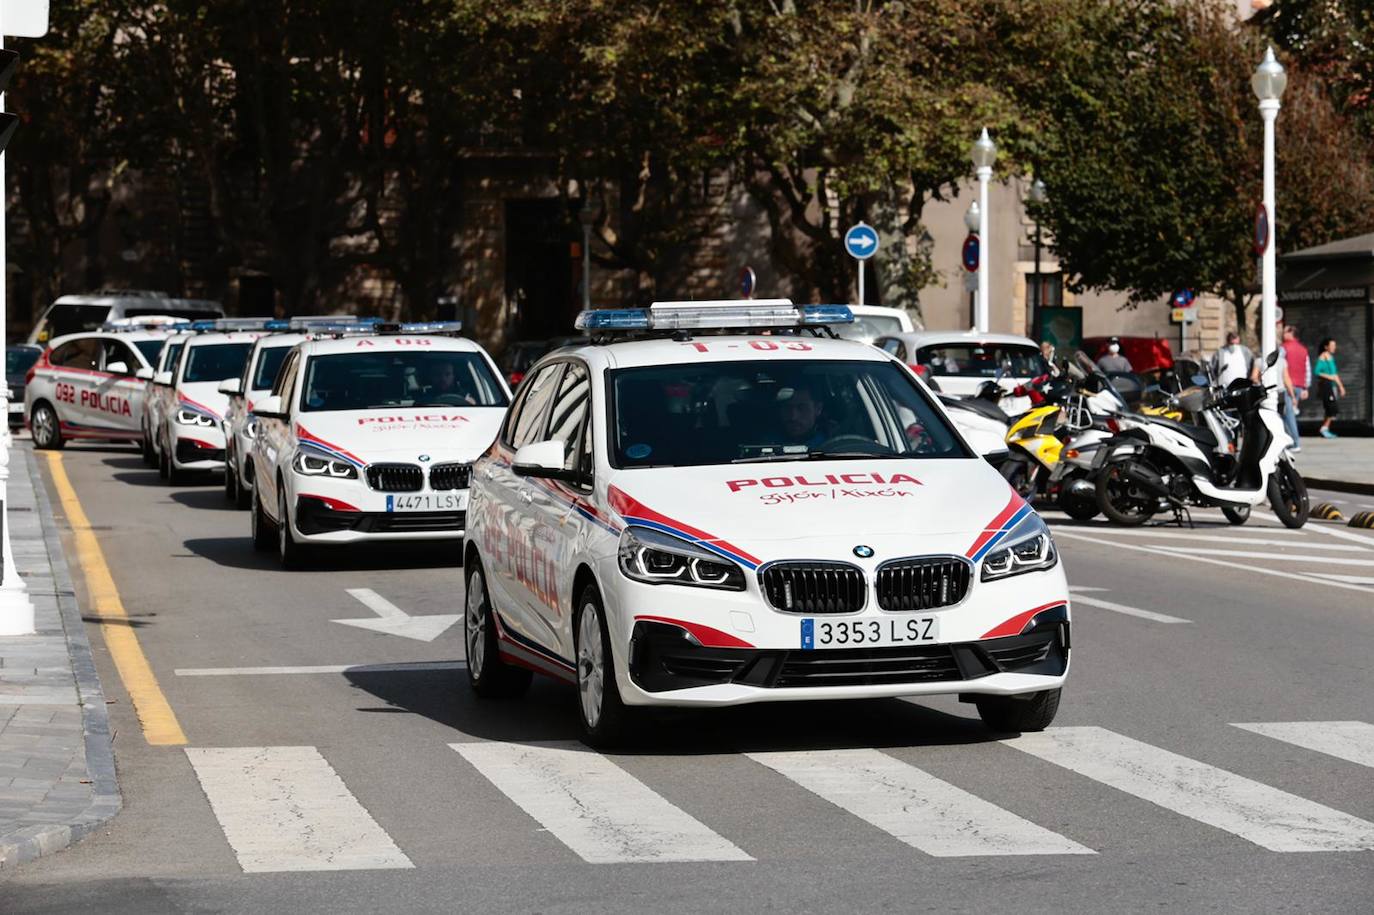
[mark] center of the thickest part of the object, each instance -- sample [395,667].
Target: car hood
[404,433]
[204,397]
[768,509]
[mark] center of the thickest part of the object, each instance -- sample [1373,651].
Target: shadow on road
[211,499]
[238,552]
[549,712]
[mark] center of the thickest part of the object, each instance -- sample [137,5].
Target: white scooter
[1156,462]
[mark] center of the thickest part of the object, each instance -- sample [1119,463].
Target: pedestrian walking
[1114,361]
[1330,384]
[1300,371]
[1234,360]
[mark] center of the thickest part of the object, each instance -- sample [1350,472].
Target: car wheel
[164,461]
[605,719]
[231,479]
[1031,712]
[174,475]
[488,675]
[47,428]
[243,496]
[291,553]
[149,454]
[263,539]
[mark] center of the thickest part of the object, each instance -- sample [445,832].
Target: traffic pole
[861,282]
[16,610]
[1269,111]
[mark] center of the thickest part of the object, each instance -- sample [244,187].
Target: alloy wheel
[591,667]
[475,622]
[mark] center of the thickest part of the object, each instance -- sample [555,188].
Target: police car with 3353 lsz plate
[719,503]
[371,438]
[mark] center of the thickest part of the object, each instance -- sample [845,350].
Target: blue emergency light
[723,315]
[419,327]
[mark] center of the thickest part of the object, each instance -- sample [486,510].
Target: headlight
[659,559]
[250,430]
[1028,548]
[192,418]
[314,465]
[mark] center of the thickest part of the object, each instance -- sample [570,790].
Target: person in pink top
[1300,370]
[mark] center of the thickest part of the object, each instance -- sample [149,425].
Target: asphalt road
[379,784]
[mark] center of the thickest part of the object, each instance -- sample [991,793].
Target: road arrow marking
[392,620]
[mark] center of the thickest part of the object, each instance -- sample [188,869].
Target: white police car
[189,436]
[372,438]
[685,513]
[85,386]
[156,396]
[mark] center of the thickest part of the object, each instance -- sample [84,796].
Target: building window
[1051,289]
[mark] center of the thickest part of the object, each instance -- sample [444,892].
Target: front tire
[1031,712]
[243,496]
[291,553]
[1118,502]
[488,675]
[1077,507]
[605,718]
[1020,474]
[46,427]
[231,479]
[149,453]
[263,539]
[1288,495]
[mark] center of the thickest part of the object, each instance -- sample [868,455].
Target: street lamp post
[1037,196]
[983,154]
[587,218]
[972,220]
[1269,81]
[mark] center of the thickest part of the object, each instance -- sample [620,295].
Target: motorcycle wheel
[1288,495]
[1236,516]
[1079,508]
[1118,502]
[1017,471]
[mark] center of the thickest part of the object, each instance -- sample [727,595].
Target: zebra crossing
[287,809]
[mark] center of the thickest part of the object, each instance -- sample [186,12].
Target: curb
[1359,489]
[31,842]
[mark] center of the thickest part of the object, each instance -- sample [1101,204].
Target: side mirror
[231,386]
[144,374]
[1271,359]
[117,368]
[542,459]
[269,408]
[163,378]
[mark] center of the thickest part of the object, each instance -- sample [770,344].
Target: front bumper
[325,520]
[198,448]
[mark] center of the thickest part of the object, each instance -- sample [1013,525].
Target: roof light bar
[740,314]
[420,327]
[145,323]
[230,324]
[323,323]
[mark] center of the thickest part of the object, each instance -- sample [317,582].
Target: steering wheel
[852,442]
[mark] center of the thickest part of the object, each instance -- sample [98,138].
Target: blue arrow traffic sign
[861,241]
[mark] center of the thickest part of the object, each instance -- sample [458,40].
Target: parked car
[960,361]
[18,360]
[72,314]
[874,321]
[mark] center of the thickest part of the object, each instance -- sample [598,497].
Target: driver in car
[799,413]
[443,383]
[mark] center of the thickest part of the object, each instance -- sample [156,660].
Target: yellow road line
[160,726]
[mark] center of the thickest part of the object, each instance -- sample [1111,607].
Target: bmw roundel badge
[863,552]
[424,459]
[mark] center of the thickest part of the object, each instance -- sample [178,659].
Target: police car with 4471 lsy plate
[720,503]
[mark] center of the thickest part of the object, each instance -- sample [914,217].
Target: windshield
[982,360]
[743,412]
[369,381]
[150,349]
[71,319]
[270,359]
[18,361]
[869,327]
[215,361]
[173,352]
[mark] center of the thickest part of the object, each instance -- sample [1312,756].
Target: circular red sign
[1261,230]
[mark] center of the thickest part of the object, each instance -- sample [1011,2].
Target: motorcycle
[1158,463]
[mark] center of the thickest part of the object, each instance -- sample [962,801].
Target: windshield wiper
[813,456]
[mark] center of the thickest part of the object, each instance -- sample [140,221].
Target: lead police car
[371,438]
[84,386]
[685,513]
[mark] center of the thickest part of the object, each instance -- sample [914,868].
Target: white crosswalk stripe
[286,809]
[1266,816]
[1352,741]
[919,809]
[593,806]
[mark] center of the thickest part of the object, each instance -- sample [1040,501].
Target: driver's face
[798,415]
[441,375]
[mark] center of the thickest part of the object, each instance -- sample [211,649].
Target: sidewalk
[57,773]
[1343,464]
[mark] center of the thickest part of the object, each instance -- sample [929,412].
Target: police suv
[720,503]
[371,438]
[189,436]
[84,386]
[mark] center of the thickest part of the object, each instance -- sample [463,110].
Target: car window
[170,355]
[118,351]
[270,359]
[982,360]
[408,378]
[285,385]
[739,412]
[70,318]
[869,327]
[215,361]
[150,349]
[19,359]
[78,354]
[535,396]
[569,410]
